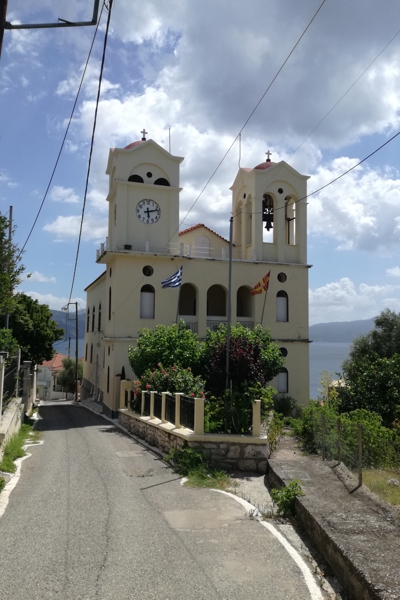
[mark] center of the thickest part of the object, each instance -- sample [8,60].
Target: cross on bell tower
[268,153]
[143,132]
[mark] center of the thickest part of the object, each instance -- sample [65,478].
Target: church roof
[134,144]
[205,227]
[265,165]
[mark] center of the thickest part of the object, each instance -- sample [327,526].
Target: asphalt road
[95,515]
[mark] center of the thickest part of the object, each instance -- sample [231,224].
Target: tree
[170,346]
[10,268]
[8,344]
[253,358]
[371,374]
[66,377]
[34,329]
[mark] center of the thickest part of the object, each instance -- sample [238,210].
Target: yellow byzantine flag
[262,285]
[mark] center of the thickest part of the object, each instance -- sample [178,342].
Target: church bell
[268,211]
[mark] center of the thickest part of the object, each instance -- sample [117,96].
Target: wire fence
[356,445]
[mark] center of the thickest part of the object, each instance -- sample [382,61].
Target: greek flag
[174,281]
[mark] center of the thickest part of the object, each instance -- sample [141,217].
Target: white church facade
[144,247]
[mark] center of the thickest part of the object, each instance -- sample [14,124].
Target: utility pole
[3,13]
[7,316]
[69,347]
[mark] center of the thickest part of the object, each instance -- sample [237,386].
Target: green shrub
[171,379]
[285,497]
[284,405]
[196,465]
[2,483]
[274,432]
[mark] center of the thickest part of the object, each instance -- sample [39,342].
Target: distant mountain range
[343,332]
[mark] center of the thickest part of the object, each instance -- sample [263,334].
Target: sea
[326,356]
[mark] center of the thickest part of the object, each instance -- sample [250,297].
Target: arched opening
[268,218]
[244,302]
[88,320]
[147,301]
[86,350]
[290,220]
[237,225]
[282,307]
[187,300]
[93,317]
[91,353]
[136,179]
[99,318]
[201,246]
[283,382]
[108,380]
[161,181]
[109,303]
[248,222]
[216,301]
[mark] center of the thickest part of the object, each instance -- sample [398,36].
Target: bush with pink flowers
[171,379]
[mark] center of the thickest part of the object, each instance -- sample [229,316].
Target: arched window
[88,320]
[268,218]
[216,301]
[161,181]
[91,353]
[147,297]
[248,213]
[282,307]
[108,379]
[86,353]
[290,220]
[244,302]
[93,317]
[99,318]
[283,381]
[136,179]
[187,300]
[109,303]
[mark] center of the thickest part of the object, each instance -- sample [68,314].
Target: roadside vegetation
[197,466]
[367,393]
[14,448]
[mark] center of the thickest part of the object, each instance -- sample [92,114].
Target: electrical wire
[239,134]
[110,3]
[65,135]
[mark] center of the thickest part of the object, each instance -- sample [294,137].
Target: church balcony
[190,322]
[180,249]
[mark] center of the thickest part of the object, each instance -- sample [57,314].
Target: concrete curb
[354,580]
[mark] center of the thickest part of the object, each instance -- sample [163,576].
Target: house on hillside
[46,379]
[144,247]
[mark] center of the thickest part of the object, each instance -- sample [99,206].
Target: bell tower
[270,213]
[143,198]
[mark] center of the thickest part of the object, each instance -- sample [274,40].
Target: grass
[377,482]
[14,449]
[195,464]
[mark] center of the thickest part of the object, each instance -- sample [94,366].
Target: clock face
[148,211]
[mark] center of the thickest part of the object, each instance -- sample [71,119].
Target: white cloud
[360,210]
[66,228]
[393,272]
[55,302]
[62,194]
[343,301]
[38,277]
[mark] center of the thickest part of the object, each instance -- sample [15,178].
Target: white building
[144,247]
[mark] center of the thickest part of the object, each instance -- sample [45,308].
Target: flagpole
[177,308]
[265,300]
[228,328]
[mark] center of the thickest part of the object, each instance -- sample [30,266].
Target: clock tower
[143,198]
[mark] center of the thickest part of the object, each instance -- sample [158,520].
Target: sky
[199,69]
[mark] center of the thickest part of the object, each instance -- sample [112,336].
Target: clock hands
[148,211]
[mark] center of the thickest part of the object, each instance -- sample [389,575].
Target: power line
[91,144]
[239,134]
[65,135]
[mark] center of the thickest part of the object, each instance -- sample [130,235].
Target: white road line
[315,591]
[8,488]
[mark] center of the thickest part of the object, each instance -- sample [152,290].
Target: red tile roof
[55,364]
[205,227]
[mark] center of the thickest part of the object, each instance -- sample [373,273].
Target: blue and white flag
[174,281]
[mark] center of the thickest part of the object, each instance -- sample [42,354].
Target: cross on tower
[143,132]
[268,153]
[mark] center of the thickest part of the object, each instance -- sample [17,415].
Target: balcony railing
[180,249]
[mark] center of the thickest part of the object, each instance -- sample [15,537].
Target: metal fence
[170,408]
[187,412]
[146,408]
[356,445]
[157,405]
[10,381]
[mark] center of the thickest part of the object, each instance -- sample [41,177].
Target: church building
[144,247]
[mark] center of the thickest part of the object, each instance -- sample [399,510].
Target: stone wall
[10,423]
[233,452]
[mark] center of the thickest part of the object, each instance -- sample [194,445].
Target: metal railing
[170,408]
[187,412]
[157,406]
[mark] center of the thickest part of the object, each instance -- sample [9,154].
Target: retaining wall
[10,423]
